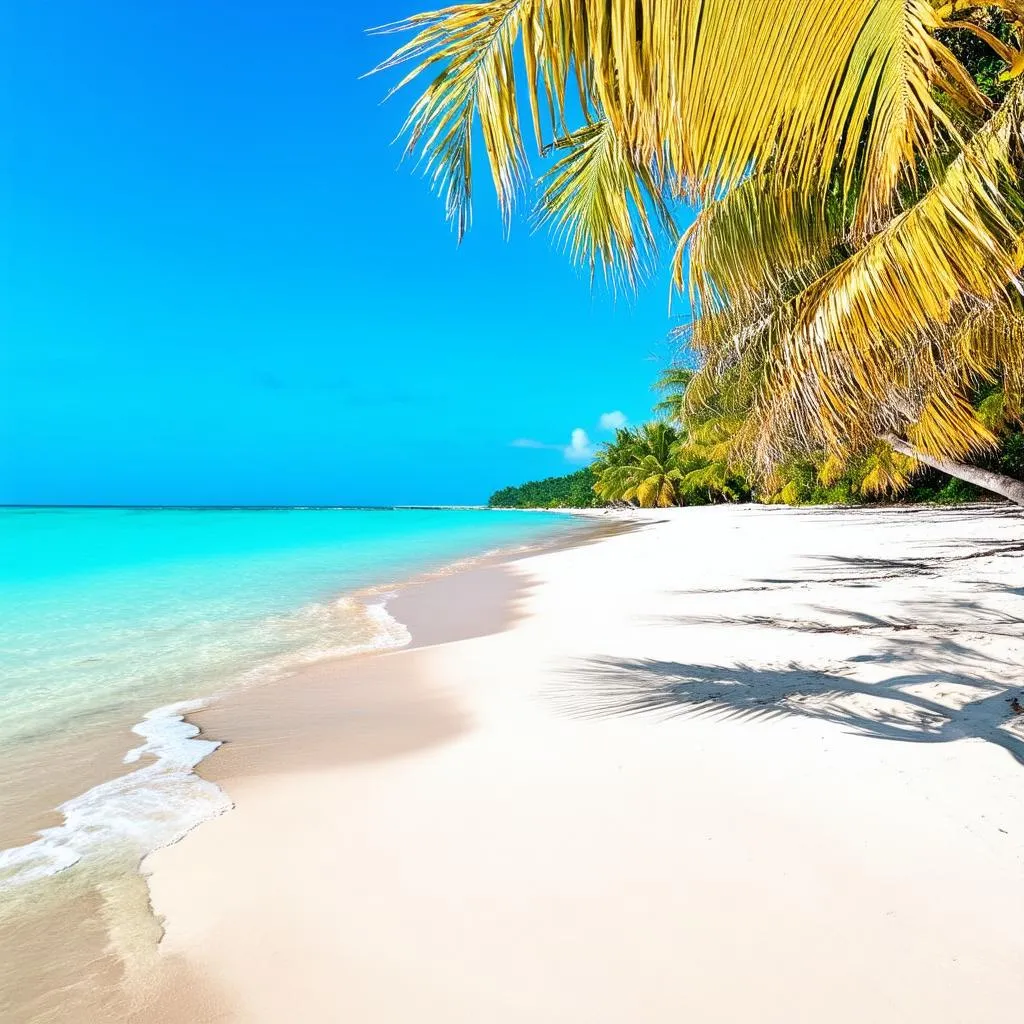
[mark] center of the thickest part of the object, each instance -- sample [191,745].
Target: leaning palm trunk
[999,483]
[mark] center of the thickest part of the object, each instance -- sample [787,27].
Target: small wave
[157,804]
[365,627]
[136,813]
[383,631]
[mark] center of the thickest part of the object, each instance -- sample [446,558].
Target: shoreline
[501,820]
[509,824]
[100,759]
[273,715]
[97,753]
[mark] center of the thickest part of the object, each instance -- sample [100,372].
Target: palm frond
[863,349]
[950,426]
[989,344]
[700,92]
[470,50]
[603,208]
[755,240]
[711,88]
[899,115]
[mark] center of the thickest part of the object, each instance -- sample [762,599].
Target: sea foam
[107,611]
[156,805]
[153,806]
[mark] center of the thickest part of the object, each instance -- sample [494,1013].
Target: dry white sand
[742,764]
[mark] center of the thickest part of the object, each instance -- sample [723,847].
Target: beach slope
[737,764]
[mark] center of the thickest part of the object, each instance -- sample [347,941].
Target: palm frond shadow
[860,572]
[889,710]
[932,625]
[855,571]
[998,588]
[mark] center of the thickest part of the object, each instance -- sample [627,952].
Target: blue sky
[219,286]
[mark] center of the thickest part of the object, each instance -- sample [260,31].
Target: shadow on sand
[888,710]
[935,687]
[923,673]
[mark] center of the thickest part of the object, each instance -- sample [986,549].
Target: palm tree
[855,265]
[641,466]
[826,361]
[705,449]
[711,472]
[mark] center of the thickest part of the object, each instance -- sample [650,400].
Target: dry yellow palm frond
[927,402]
[990,345]
[887,472]
[601,206]
[710,88]
[949,9]
[843,344]
[900,117]
[958,15]
[470,50]
[756,239]
[895,334]
[878,471]
[701,92]
[949,426]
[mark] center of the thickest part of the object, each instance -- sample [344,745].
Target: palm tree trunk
[999,483]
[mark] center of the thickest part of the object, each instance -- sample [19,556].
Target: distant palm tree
[705,449]
[641,466]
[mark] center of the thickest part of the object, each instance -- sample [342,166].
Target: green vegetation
[659,465]
[573,491]
[687,459]
[878,473]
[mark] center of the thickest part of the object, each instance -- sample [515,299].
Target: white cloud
[612,420]
[580,449]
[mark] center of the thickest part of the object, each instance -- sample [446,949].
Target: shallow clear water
[112,612]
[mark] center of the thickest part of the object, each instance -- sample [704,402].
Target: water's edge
[154,805]
[157,804]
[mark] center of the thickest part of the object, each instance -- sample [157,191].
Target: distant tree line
[687,458]
[576,490]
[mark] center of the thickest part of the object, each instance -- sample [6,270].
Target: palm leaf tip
[469,52]
[605,209]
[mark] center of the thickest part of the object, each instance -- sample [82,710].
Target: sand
[738,764]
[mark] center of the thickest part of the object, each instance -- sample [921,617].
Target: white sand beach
[740,764]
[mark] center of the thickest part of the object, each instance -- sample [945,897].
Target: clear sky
[217,285]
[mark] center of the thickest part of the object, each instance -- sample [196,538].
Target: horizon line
[238,508]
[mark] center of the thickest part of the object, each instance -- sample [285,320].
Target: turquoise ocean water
[114,616]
